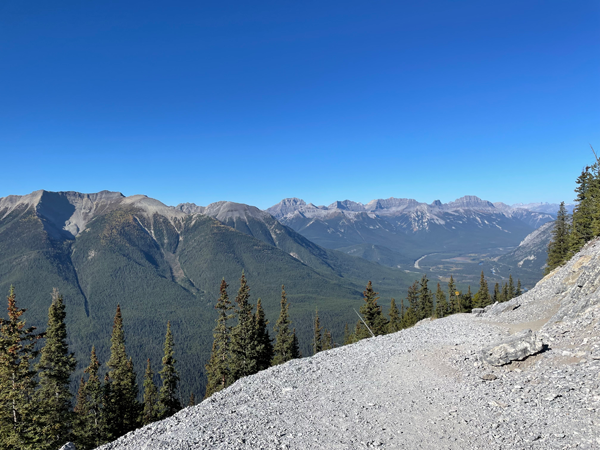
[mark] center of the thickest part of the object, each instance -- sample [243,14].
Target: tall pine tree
[265,346]
[395,322]
[317,343]
[558,248]
[425,300]
[17,380]
[218,368]
[372,315]
[150,399]
[55,367]
[168,398]
[441,304]
[284,338]
[244,345]
[482,297]
[122,386]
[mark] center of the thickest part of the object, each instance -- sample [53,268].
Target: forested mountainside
[452,238]
[162,264]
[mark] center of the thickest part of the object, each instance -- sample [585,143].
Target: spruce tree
[371,314]
[265,346]
[54,368]
[244,345]
[519,291]
[168,398]
[454,305]
[496,296]
[583,213]
[296,353]
[466,301]
[395,322]
[327,340]
[122,387]
[150,407]
[441,304]
[482,297]
[511,288]
[425,300]
[218,368]
[558,247]
[317,334]
[347,335]
[17,381]
[284,338]
[90,422]
[409,318]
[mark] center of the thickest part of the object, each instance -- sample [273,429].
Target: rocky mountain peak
[470,202]
[347,205]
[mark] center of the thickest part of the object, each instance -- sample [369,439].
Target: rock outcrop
[515,348]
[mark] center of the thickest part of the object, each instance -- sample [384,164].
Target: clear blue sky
[255,101]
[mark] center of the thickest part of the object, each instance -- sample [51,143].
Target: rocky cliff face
[427,387]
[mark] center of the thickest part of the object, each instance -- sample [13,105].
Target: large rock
[517,348]
[68,446]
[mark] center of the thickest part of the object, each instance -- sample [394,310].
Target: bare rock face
[516,348]
[68,446]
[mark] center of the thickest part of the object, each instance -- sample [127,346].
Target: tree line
[35,400]
[572,232]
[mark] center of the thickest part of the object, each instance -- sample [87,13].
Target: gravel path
[421,388]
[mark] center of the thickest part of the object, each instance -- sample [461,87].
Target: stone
[516,348]
[489,377]
[68,446]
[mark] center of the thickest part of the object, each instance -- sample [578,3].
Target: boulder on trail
[516,348]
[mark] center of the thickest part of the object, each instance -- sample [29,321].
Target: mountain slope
[425,387]
[162,263]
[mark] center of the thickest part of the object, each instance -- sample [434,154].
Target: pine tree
[284,339]
[583,217]
[123,390]
[511,288]
[150,410]
[466,301]
[55,367]
[244,345]
[395,322]
[317,334]
[90,423]
[295,352]
[425,300]
[482,297]
[558,248]
[496,296]
[441,304]
[218,368]
[409,318]
[371,314]
[518,292]
[454,305]
[168,398]
[347,335]
[504,293]
[17,380]
[265,346]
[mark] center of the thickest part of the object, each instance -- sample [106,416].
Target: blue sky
[257,101]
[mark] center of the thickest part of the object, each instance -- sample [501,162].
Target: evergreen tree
[150,407]
[192,401]
[347,335]
[583,217]
[482,297]
[395,322]
[296,353]
[317,334]
[518,292]
[409,318]
[425,300]
[284,338]
[17,381]
[55,367]
[244,345]
[122,387]
[558,248]
[453,298]
[441,304]
[466,301]
[496,296]
[265,346]
[504,294]
[90,423]
[511,288]
[371,314]
[218,368]
[168,398]
[327,340]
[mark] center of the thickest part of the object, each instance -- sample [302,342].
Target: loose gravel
[422,388]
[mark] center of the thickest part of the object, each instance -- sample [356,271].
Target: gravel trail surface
[422,388]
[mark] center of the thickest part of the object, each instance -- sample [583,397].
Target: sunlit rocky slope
[519,375]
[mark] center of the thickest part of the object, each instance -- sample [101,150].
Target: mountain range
[452,238]
[163,263]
